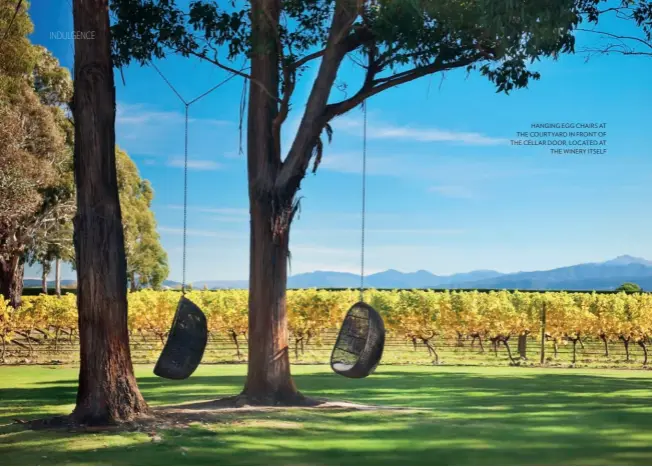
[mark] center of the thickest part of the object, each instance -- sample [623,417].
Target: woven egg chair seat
[360,342]
[186,342]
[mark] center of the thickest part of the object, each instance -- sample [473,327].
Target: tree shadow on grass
[468,418]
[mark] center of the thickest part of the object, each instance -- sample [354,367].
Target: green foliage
[500,38]
[629,287]
[17,55]
[146,260]
[52,82]
[35,193]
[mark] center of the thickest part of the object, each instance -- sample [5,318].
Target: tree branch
[620,38]
[217,63]
[374,87]
[288,87]
[312,123]
[360,35]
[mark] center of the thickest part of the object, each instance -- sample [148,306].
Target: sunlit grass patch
[463,415]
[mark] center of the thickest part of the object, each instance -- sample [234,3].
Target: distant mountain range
[51,284]
[607,275]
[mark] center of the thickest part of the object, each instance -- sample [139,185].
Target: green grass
[475,415]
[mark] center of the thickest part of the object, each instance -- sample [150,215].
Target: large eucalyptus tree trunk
[268,377]
[273,184]
[107,390]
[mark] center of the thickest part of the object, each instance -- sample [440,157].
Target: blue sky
[446,191]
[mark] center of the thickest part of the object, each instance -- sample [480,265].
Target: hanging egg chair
[186,342]
[360,342]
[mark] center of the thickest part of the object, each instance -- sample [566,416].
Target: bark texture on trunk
[44,278]
[107,390]
[273,184]
[57,276]
[522,346]
[11,280]
[269,380]
[271,208]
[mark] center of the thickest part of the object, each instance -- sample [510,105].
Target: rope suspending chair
[361,340]
[188,336]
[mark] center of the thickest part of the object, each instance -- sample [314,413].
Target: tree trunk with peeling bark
[268,373]
[107,390]
[11,280]
[273,185]
[268,378]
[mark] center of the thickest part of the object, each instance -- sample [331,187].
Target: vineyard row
[434,323]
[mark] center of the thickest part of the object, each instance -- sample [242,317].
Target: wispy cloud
[314,250]
[197,164]
[377,130]
[451,191]
[231,220]
[140,114]
[200,233]
[386,231]
[449,171]
[235,154]
[148,129]
[352,163]
[240,212]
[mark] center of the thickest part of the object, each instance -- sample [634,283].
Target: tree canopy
[147,261]
[393,41]
[632,37]
[37,189]
[629,287]
[34,155]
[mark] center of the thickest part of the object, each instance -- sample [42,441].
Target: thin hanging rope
[168,83]
[185,202]
[185,161]
[364,191]
[201,96]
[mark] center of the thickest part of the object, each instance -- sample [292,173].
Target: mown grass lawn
[471,415]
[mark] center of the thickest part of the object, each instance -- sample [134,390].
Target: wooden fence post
[543,333]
